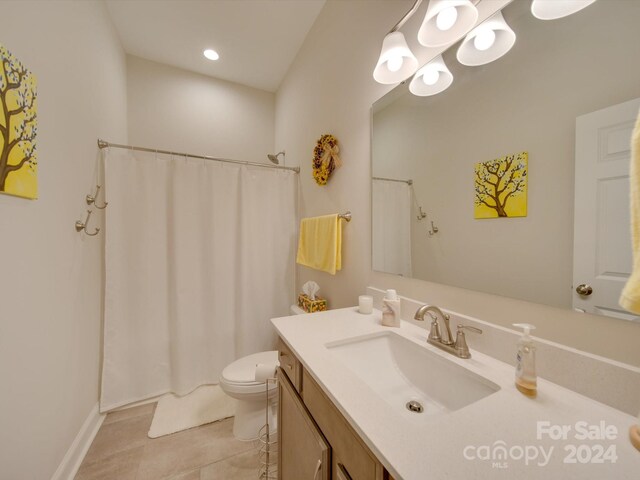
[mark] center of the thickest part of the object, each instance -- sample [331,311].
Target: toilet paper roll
[265,371]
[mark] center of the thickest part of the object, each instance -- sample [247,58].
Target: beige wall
[174,109]
[51,281]
[329,88]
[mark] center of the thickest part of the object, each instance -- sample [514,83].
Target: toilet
[238,381]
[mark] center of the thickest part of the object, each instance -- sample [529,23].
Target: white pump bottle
[391,309]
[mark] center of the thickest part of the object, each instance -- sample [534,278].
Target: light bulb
[431,76]
[395,63]
[447,18]
[484,39]
[211,54]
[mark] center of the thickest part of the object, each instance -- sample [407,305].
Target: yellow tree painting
[501,187]
[18,128]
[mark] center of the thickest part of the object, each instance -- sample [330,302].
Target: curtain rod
[408,182]
[103,144]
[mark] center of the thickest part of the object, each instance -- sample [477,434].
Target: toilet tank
[296,310]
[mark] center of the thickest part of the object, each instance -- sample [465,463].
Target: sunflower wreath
[325,158]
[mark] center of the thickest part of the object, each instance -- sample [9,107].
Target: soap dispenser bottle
[391,309]
[526,380]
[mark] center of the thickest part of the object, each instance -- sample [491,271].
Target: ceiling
[257,39]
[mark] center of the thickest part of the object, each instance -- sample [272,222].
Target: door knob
[584,289]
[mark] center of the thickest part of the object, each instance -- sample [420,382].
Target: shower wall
[51,281]
[174,109]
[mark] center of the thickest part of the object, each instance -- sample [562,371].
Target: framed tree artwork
[18,128]
[501,187]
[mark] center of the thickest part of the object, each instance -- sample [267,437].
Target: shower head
[274,158]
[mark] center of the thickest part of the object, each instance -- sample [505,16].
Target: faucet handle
[462,349]
[468,327]
[434,326]
[434,331]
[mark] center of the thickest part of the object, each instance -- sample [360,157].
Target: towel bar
[345,216]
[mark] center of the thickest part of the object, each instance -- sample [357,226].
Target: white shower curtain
[391,227]
[199,257]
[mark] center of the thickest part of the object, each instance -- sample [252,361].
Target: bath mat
[204,405]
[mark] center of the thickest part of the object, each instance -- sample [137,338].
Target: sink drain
[414,407]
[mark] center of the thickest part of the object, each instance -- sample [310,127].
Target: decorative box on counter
[310,306]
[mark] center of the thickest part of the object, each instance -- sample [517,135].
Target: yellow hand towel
[320,243]
[630,298]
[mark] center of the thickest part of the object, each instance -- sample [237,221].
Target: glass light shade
[423,85]
[552,9]
[447,18]
[396,61]
[431,35]
[469,54]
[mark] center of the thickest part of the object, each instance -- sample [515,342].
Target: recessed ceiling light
[211,54]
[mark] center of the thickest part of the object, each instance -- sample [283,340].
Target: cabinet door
[346,447]
[340,471]
[304,454]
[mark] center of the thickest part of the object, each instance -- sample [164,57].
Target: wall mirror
[567,95]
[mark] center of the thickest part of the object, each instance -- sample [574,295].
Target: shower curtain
[199,256]
[391,225]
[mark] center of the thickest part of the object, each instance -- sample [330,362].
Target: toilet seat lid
[243,370]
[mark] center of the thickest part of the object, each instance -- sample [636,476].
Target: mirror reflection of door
[602,237]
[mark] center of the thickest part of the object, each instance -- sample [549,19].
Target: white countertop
[434,447]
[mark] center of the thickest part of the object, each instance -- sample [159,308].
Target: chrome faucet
[458,348]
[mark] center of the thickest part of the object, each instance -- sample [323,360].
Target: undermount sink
[400,371]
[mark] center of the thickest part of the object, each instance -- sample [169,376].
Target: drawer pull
[318,468]
[342,473]
[289,366]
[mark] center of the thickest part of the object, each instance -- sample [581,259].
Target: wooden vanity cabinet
[290,364]
[305,414]
[303,451]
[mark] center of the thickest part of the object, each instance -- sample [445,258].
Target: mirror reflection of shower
[274,158]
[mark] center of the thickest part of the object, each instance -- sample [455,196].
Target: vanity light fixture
[211,54]
[553,9]
[487,42]
[396,61]
[446,21]
[431,79]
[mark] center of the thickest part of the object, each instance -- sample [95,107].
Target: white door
[602,257]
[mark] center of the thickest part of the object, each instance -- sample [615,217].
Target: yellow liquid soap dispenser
[526,379]
[634,434]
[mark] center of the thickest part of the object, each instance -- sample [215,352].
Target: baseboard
[73,458]
[135,404]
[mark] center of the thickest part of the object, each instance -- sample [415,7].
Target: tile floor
[122,451]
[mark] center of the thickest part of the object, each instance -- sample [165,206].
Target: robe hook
[80,225]
[91,199]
